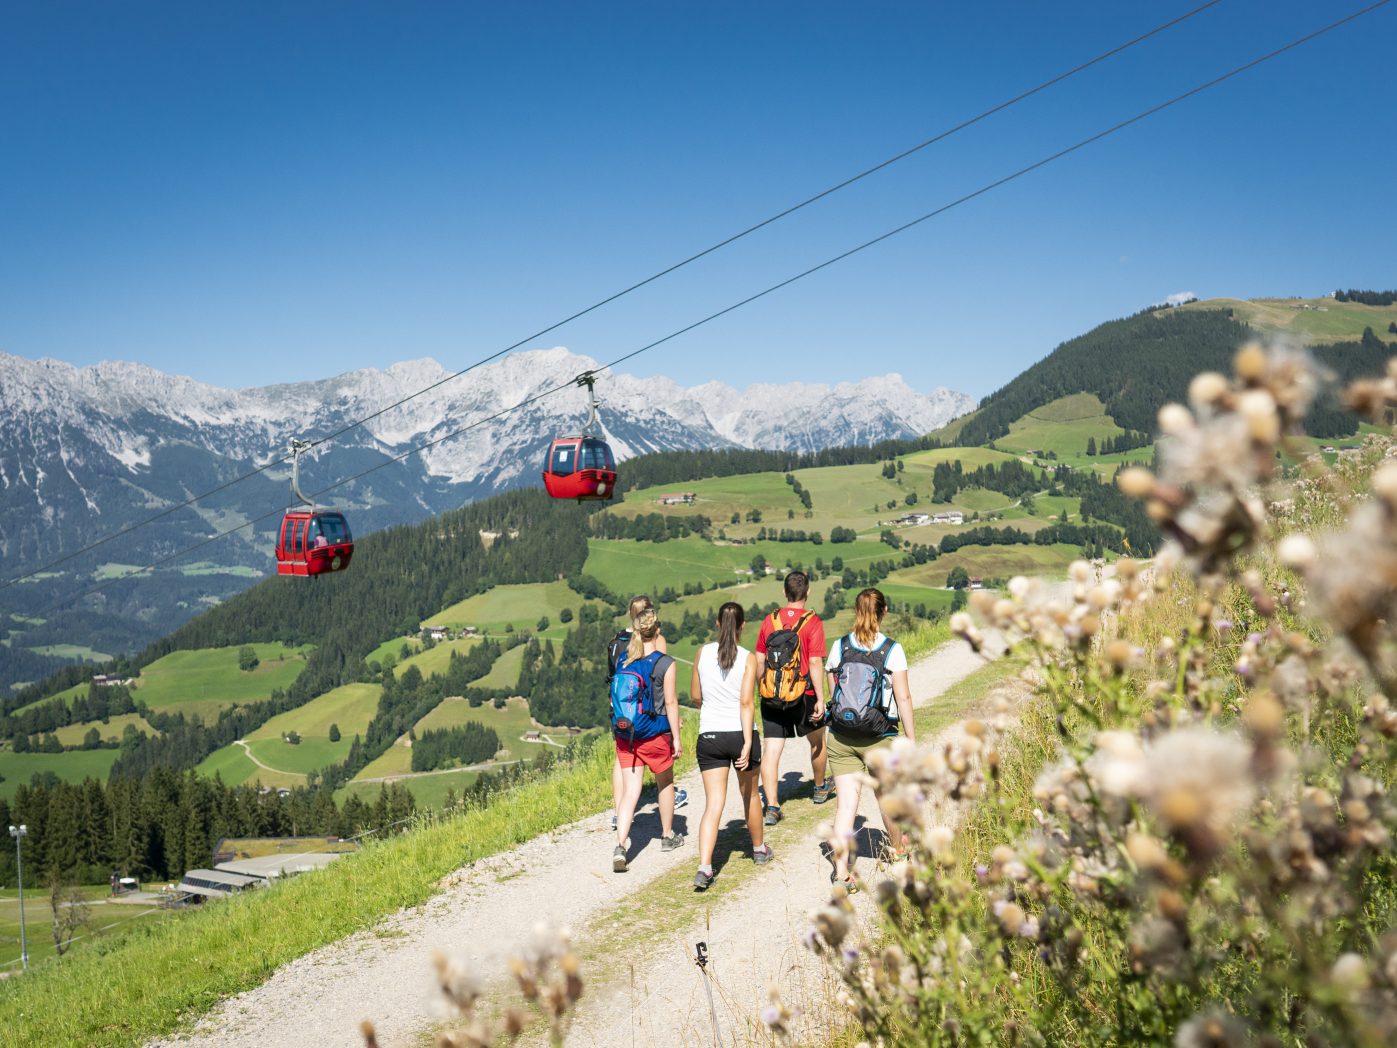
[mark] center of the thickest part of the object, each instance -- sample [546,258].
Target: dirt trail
[487,911]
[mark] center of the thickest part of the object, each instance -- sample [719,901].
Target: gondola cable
[941,136]
[571,383]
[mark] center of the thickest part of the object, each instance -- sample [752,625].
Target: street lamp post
[19,833]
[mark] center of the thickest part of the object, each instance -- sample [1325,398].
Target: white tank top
[722,691]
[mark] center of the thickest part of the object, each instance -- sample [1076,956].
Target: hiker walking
[723,688]
[645,723]
[791,682]
[870,705]
[614,652]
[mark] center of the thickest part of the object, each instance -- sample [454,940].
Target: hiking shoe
[763,855]
[824,791]
[673,841]
[681,797]
[702,880]
[773,815]
[618,860]
[613,820]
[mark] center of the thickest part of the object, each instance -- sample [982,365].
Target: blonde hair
[638,604]
[869,609]
[644,627]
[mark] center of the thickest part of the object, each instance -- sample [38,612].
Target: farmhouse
[106,680]
[913,519]
[531,736]
[954,516]
[438,632]
[976,582]
[677,498]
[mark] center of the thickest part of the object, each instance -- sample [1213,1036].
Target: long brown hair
[730,622]
[869,609]
[644,627]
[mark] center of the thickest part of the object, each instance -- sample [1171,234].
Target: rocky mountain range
[88,451]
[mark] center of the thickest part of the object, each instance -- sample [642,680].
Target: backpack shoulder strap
[800,625]
[883,651]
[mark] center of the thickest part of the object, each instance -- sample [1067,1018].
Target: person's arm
[817,666]
[817,681]
[748,702]
[672,703]
[902,692]
[695,687]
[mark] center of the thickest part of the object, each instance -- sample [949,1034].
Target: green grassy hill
[1310,321]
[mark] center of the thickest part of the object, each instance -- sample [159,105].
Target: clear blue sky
[251,193]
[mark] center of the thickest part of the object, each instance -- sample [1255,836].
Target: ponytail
[730,621]
[645,627]
[869,609]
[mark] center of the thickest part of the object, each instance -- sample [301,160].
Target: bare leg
[819,754]
[847,789]
[632,779]
[715,795]
[617,785]
[751,804]
[771,768]
[665,781]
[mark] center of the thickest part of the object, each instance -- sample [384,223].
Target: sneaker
[702,880]
[681,797]
[773,815]
[824,791]
[613,820]
[763,855]
[618,860]
[673,841]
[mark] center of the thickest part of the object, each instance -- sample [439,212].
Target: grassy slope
[71,766]
[1340,321]
[73,734]
[209,678]
[106,918]
[150,980]
[520,606]
[351,706]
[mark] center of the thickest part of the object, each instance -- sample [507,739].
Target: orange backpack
[782,683]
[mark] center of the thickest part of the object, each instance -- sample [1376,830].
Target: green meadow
[17,769]
[111,728]
[209,678]
[518,605]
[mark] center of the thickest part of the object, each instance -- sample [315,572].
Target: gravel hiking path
[486,912]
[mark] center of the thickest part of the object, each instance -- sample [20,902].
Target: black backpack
[615,652]
[860,706]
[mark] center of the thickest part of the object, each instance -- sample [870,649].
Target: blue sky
[256,193]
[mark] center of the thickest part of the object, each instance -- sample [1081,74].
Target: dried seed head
[1146,852]
[1250,362]
[1385,484]
[1175,420]
[1206,389]
[1296,551]
[1137,482]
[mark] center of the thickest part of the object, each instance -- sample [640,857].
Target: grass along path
[486,912]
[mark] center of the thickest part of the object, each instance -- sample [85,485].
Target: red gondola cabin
[580,467]
[311,543]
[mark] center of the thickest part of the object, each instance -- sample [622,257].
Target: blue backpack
[633,713]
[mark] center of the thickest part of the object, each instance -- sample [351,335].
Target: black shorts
[718,749]
[792,723]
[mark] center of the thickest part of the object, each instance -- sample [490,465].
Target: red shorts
[657,754]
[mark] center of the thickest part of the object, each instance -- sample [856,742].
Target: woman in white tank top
[724,685]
